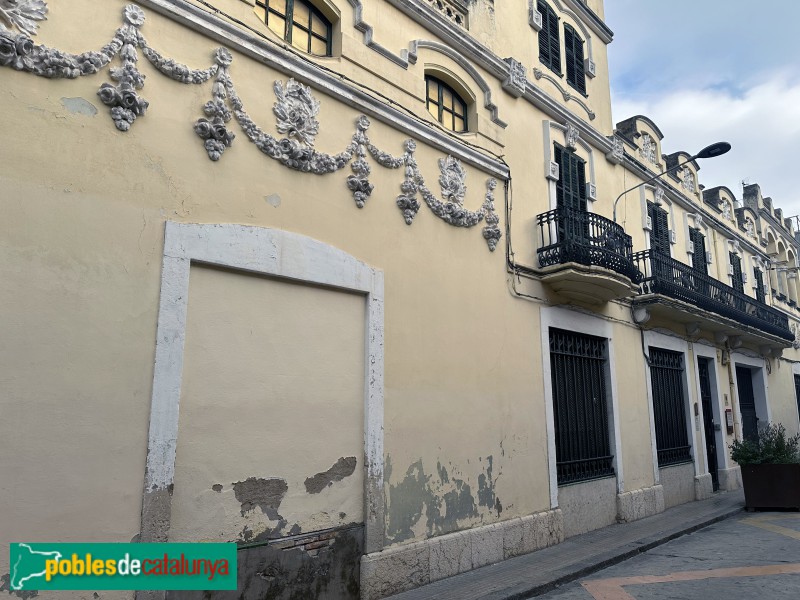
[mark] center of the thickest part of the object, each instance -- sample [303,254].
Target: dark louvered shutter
[758,276]
[573,53]
[659,234]
[571,185]
[699,245]
[549,47]
[737,282]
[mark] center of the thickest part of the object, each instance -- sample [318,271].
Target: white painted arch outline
[274,253]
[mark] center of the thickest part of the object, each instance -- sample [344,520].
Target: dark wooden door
[708,420]
[797,391]
[747,403]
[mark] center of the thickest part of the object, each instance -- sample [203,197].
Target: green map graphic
[28,564]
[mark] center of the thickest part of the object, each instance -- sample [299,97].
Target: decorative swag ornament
[295,110]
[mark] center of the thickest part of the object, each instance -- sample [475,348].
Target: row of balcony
[589,258]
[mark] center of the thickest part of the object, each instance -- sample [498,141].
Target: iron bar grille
[665,275]
[669,407]
[578,368]
[570,235]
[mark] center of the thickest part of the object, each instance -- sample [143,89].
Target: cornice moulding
[591,19]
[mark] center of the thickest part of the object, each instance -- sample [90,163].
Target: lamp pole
[712,151]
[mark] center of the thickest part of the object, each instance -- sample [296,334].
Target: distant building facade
[355,285]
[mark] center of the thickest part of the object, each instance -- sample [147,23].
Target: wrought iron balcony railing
[672,278]
[586,239]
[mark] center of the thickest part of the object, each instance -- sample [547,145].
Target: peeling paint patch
[486,495]
[79,106]
[217,487]
[247,535]
[442,473]
[406,501]
[344,467]
[5,586]
[265,494]
[444,499]
[273,200]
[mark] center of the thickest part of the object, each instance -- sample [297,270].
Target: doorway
[747,403]
[709,423]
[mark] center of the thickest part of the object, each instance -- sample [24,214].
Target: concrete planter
[771,486]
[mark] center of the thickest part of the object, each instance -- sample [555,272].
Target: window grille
[578,370]
[669,407]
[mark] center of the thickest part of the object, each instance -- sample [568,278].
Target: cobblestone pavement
[752,555]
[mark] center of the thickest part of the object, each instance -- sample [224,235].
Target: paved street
[751,555]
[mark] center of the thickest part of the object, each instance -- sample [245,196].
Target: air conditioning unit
[709,256]
[730,270]
[535,19]
[649,223]
[673,237]
[591,191]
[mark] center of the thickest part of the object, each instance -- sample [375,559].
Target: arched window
[445,105]
[573,51]
[299,23]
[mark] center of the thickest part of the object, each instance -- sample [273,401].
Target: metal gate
[669,407]
[578,367]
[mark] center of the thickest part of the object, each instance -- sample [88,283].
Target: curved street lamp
[712,151]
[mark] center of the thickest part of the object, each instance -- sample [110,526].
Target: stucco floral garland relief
[295,110]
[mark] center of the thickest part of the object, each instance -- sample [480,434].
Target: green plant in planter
[771,447]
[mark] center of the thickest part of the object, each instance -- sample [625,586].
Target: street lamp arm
[648,181]
[712,151]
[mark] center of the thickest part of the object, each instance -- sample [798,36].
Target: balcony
[678,293]
[585,257]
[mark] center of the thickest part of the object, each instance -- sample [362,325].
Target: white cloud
[762,125]
[714,70]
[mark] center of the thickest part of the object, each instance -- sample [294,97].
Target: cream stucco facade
[261,296]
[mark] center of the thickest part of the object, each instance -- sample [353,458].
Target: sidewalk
[539,572]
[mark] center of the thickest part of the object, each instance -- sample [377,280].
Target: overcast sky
[709,70]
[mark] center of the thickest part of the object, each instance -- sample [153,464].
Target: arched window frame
[436,106]
[270,8]
[573,54]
